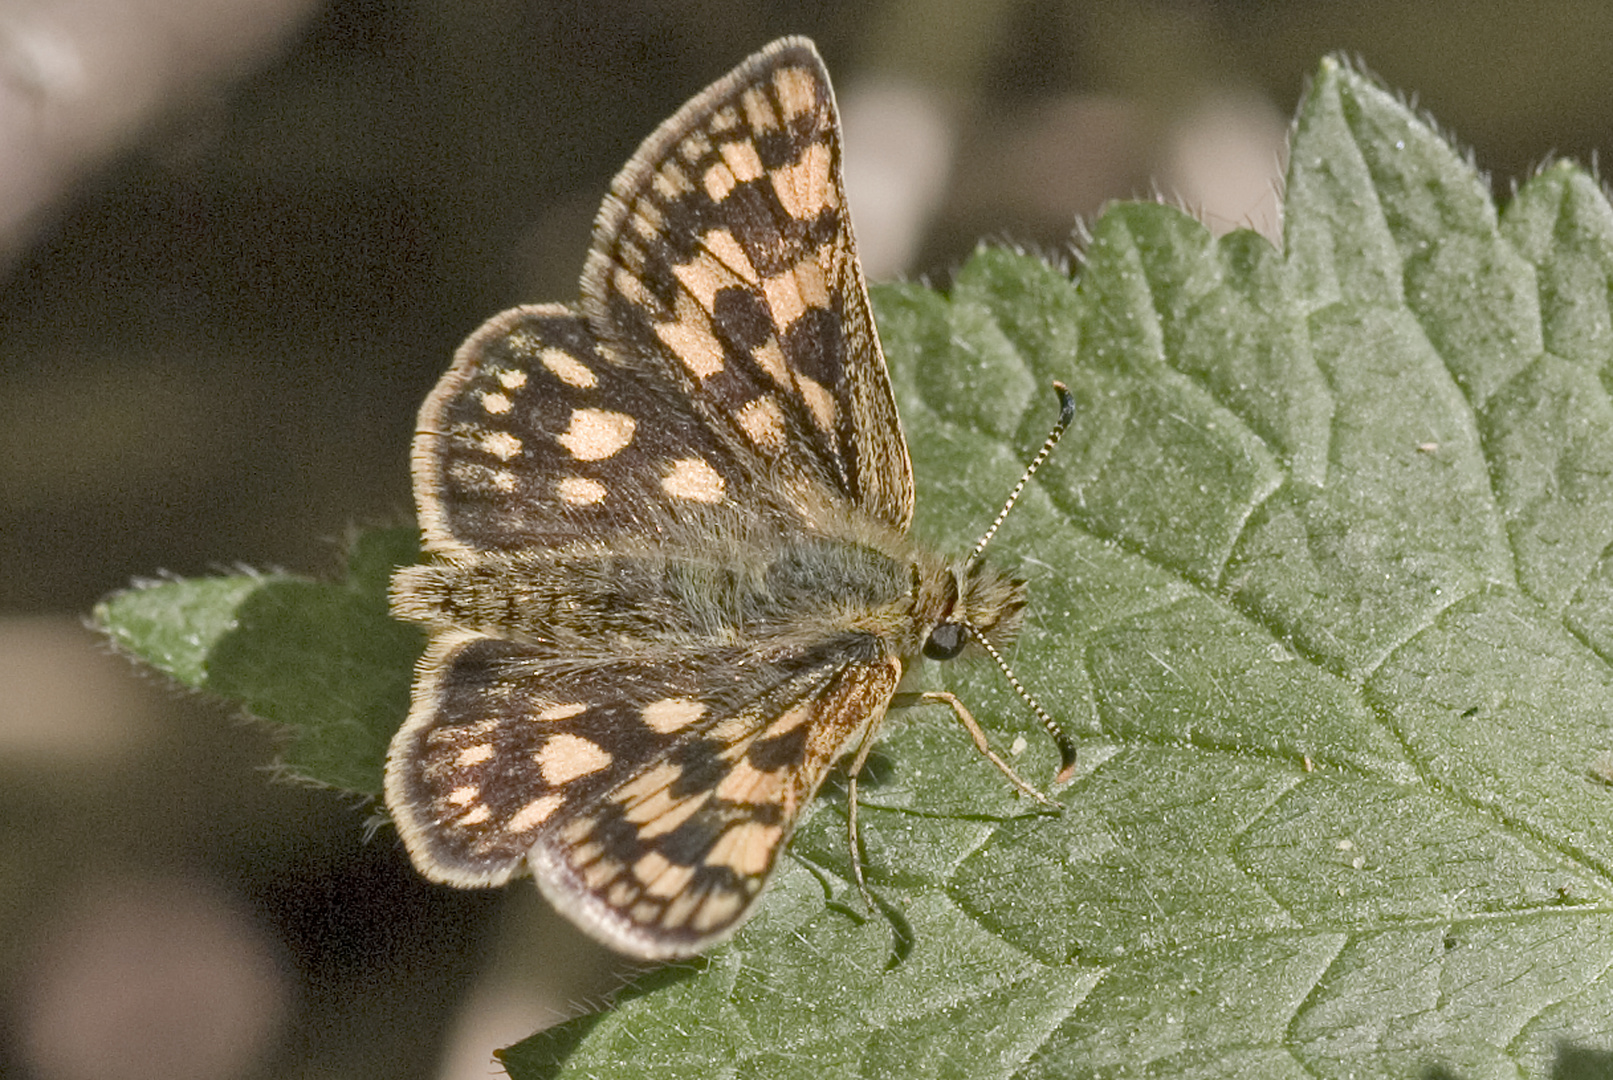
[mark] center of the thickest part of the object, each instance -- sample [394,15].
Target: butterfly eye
[946,641]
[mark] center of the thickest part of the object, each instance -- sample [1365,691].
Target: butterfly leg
[972,726]
[852,773]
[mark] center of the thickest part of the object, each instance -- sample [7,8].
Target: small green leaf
[324,663]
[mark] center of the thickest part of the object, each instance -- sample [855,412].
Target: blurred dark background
[238,243]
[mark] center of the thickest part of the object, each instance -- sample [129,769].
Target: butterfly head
[970,606]
[970,601]
[960,605]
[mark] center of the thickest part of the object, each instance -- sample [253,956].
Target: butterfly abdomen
[609,599]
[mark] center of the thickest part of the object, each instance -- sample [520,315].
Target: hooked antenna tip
[1066,404]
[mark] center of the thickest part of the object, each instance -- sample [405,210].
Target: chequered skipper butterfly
[673,581]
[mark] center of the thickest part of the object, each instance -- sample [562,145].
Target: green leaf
[1323,571]
[324,663]
[1321,575]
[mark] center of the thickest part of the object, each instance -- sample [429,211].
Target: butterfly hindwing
[650,798]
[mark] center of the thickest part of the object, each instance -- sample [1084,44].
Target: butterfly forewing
[724,257]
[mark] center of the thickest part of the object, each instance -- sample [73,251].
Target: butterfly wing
[724,354]
[649,796]
[538,437]
[724,258]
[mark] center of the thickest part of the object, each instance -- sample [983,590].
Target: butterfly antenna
[1066,747]
[1066,414]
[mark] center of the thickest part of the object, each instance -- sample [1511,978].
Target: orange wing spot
[734,732]
[690,338]
[580,491]
[576,831]
[661,813]
[771,358]
[762,421]
[742,160]
[758,110]
[536,812]
[496,403]
[804,189]
[600,873]
[662,877]
[647,219]
[560,711]
[694,147]
[672,714]
[783,294]
[671,182]
[633,288]
[595,434]
[476,815]
[797,91]
[693,479]
[474,755]
[718,181]
[809,277]
[564,757]
[748,784]
[463,796]
[568,369]
[679,908]
[721,243]
[790,720]
[642,787]
[819,402]
[630,255]
[500,444]
[747,848]
[718,909]
[705,276]
[650,866]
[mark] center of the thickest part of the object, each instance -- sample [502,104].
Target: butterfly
[671,581]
